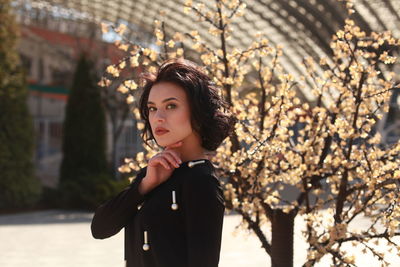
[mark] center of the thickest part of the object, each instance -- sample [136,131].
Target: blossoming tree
[322,163]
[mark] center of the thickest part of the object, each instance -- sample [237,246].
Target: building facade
[49,58]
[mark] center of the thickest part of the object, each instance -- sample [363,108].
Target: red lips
[160,131]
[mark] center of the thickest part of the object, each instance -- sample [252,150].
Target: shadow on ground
[46,217]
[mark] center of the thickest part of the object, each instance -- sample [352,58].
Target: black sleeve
[203,203]
[110,217]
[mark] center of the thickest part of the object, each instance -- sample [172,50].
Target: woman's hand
[160,168]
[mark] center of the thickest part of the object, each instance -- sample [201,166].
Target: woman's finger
[170,158]
[174,155]
[160,160]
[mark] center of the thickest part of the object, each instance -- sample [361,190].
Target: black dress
[161,234]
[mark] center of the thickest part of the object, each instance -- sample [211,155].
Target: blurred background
[70,127]
[54,35]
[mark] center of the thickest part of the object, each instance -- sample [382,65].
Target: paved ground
[63,239]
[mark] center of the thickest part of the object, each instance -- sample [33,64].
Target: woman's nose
[160,116]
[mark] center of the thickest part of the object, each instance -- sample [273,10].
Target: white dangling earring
[174,206]
[146,246]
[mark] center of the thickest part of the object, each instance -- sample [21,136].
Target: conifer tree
[19,188]
[84,176]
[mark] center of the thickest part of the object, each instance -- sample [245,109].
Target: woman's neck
[188,153]
[191,149]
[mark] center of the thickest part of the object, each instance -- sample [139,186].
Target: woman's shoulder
[198,168]
[200,180]
[199,172]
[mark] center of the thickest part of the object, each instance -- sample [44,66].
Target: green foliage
[19,188]
[87,192]
[84,168]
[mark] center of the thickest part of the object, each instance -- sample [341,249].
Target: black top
[186,235]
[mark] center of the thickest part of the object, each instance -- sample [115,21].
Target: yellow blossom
[140,125]
[121,29]
[104,27]
[111,69]
[134,61]
[171,43]
[130,84]
[179,52]
[130,99]
[122,89]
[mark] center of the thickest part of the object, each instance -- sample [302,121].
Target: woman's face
[169,114]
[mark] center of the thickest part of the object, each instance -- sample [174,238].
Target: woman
[173,211]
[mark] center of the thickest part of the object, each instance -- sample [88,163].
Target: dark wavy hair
[209,112]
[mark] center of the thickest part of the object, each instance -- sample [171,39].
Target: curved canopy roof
[303,27]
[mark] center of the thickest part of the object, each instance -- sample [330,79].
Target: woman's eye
[171,106]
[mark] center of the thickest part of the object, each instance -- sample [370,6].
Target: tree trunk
[282,239]
[114,161]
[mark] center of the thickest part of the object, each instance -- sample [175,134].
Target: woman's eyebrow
[165,100]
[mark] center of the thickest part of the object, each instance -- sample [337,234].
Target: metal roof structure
[303,27]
